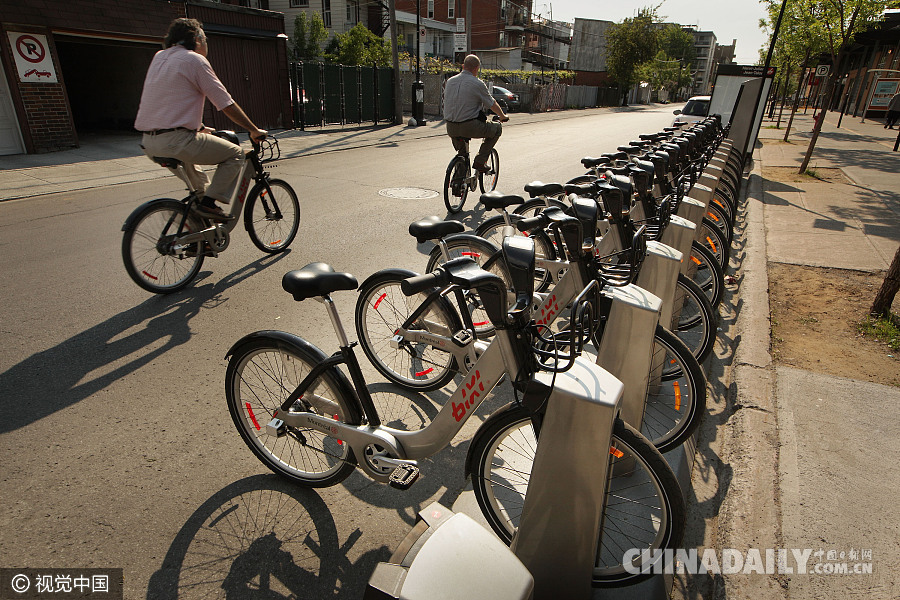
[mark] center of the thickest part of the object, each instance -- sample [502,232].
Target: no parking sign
[32,54]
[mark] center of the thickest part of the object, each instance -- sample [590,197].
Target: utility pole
[395,59]
[469,27]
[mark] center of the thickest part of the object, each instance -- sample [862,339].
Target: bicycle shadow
[95,358]
[263,537]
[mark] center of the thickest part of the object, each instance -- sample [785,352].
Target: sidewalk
[117,158]
[792,459]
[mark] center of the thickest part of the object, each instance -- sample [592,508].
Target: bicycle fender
[289,339]
[469,237]
[132,218]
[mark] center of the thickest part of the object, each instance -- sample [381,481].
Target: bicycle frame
[376,446]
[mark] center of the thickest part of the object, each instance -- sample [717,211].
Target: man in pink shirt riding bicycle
[178,82]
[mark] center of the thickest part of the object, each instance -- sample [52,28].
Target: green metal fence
[327,94]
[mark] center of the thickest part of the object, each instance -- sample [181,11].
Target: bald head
[472,63]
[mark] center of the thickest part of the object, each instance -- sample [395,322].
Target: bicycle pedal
[404,476]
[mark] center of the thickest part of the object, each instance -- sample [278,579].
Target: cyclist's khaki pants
[489,131]
[193,148]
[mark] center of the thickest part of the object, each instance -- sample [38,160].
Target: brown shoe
[481,167]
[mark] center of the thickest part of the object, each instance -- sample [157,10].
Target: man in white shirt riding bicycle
[466,100]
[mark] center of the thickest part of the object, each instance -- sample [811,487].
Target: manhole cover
[408,193]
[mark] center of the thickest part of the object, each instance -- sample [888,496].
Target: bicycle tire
[696,322]
[708,273]
[481,251]
[264,368]
[269,232]
[715,214]
[676,393]
[493,174]
[492,229]
[458,169]
[381,309]
[149,257]
[713,240]
[725,204]
[644,503]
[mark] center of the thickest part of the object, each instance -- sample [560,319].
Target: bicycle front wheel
[676,393]
[272,219]
[644,506]
[456,185]
[694,318]
[488,181]
[381,309]
[262,372]
[153,257]
[707,273]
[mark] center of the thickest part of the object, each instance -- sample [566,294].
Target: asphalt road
[118,449]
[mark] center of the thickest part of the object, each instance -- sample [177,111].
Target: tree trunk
[820,119]
[885,296]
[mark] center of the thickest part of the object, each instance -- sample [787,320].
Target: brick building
[79,66]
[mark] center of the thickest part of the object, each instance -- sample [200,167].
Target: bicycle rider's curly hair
[185,32]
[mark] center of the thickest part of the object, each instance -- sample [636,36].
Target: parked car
[696,109]
[508,101]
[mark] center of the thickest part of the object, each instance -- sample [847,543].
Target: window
[451,9]
[430,9]
[326,13]
[299,3]
[502,9]
[351,14]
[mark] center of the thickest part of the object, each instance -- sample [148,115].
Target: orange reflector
[471,254]
[377,302]
[480,324]
[616,452]
[275,243]
[677,395]
[712,243]
[713,217]
[149,275]
[696,260]
[425,372]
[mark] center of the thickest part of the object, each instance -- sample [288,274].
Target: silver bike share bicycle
[304,419]
[165,241]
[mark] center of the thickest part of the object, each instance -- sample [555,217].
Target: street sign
[822,70]
[460,25]
[32,55]
[459,42]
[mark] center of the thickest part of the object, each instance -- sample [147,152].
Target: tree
[665,72]
[309,33]
[677,43]
[629,44]
[881,307]
[836,22]
[359,46]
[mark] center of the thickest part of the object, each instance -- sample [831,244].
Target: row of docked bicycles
[575,278]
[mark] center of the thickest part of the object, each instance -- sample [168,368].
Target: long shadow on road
[59,377]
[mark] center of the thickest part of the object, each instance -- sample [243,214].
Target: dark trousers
[892,118]
[488,131]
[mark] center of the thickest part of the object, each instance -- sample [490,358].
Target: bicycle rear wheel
[644,506]
[456,187]
[381,309]
[493,229]
[153,258]
[488,181]
[263,370]
[713,240]
[272,220]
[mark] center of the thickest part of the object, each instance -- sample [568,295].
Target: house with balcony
[703,67]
